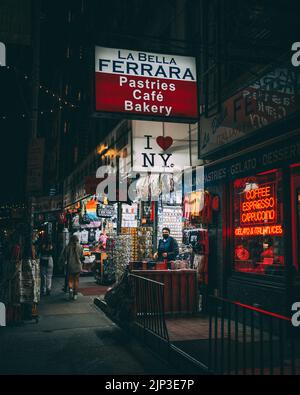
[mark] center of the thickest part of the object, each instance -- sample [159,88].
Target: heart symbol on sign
[164,142]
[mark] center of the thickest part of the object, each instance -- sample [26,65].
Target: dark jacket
[170,246]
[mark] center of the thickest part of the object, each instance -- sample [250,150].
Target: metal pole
[35,92]
[36,41]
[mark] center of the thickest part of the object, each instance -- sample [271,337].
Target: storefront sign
[145,84]
[160,148]
[259,205]
[271,98]
[104,211]
[273,156]
[275,230]
[258,211]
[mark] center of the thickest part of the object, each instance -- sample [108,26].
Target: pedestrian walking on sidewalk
[46,263]
[73,255]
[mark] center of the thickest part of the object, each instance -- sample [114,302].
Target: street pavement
[74,338]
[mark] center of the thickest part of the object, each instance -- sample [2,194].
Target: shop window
[295,206]
[258,224]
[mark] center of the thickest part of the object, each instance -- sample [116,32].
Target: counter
[180,289]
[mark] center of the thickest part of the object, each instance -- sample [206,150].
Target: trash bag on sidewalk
[119,300]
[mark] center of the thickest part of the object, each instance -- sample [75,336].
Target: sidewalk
[74,338]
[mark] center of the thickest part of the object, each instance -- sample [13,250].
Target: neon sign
[258,212]
[275,230]
[259,206]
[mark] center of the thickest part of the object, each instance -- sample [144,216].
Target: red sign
[258,212]
[259,206]
[144,84]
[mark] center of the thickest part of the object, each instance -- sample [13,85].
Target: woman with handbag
[74,258]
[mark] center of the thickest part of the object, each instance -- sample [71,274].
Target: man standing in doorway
[167,247]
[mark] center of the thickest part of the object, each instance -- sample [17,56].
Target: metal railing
[247,340]
[148,296]
[6,287]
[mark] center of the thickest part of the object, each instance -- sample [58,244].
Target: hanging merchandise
[133,245]
[85,220]
[91,210]
[84,237]
[198,239]
[152,213]
[206,212]
[92,236]
[122,254]
[97,234]
[145,243]
[198,207]
[170,217]
[129,216]
[75,221]
[187,207]
[105,272]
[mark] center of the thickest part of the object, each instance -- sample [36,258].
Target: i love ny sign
[160,148]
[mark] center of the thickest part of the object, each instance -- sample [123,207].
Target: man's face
[165,234]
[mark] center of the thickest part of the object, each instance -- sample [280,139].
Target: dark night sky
[13,137]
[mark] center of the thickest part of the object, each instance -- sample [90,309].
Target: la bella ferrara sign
[144,84]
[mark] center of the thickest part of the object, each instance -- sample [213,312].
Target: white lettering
[296,316]
[144,107]
[296,56]
[123,80]
[2,314]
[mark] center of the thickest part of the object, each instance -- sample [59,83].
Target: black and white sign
[104,211]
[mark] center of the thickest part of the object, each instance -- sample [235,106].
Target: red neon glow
[258,193]
[258,216]
[259,206]
[246,306]
[282,317]
[259,231]
[267,172]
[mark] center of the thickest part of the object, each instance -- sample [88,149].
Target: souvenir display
[145,243]
[122,254]
[170,217]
